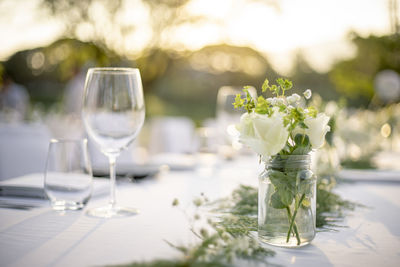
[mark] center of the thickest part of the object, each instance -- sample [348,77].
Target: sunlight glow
[317,28]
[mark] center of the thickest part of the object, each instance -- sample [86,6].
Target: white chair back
[171,135]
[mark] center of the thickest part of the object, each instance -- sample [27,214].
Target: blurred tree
[96,18]
[177,82]
[354,78]
[101,23]
[190,82]
[393,16]
[304,77]
[44,71]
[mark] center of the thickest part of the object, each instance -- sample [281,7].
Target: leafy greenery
[354,78]
[237,221]
[330,207]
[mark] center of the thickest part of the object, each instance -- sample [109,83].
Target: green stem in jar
[292,221]
[295,231]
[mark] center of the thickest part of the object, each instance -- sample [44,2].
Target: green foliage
[284,186]
[233,239]
[62,60]
[187,84]
[303,145]
[295,117]
[278,90]
[173,263]
[262,106]
[284,85]
[331,207]
[312,111]
[354,78]
[238,225]
[276,201]
[249,103]
[239,102]
[245,199]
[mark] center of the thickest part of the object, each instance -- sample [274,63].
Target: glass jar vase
[287,201]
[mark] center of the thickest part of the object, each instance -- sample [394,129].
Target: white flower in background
[331,108]
[317,129]
[273,100]
[265,135]
[307,94]
[280,101]
[293,99]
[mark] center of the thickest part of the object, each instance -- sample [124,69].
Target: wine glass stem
[112,161]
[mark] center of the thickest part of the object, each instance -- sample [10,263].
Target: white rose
[317,129]
[265,135]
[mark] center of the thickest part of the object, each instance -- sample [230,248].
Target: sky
[317,28]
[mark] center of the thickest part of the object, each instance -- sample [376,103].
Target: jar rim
[286,157]
[288,161]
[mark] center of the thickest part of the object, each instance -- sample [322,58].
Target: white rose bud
[265,135]
[273,101]
[317,129]
[293,99]
[307,94]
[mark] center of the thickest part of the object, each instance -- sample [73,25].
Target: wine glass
[113,113]
[228,116]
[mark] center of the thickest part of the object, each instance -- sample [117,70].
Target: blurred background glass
[187,49]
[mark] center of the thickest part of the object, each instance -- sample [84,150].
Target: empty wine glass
[228,116]
[113,113]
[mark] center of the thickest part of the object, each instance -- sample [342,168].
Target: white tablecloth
[42,237]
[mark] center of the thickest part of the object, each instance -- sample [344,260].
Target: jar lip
[288,161]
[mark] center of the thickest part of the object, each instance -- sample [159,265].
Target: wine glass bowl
[228,116]
[113,114]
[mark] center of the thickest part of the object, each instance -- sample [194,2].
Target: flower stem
[292,223]
[295,231]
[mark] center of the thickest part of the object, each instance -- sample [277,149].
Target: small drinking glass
[68,174]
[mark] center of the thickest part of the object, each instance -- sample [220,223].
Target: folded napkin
[32,186]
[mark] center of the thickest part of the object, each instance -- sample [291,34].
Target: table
[43,237]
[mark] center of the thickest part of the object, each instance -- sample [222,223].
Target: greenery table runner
[229,234]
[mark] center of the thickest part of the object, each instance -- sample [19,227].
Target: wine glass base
[112,212]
